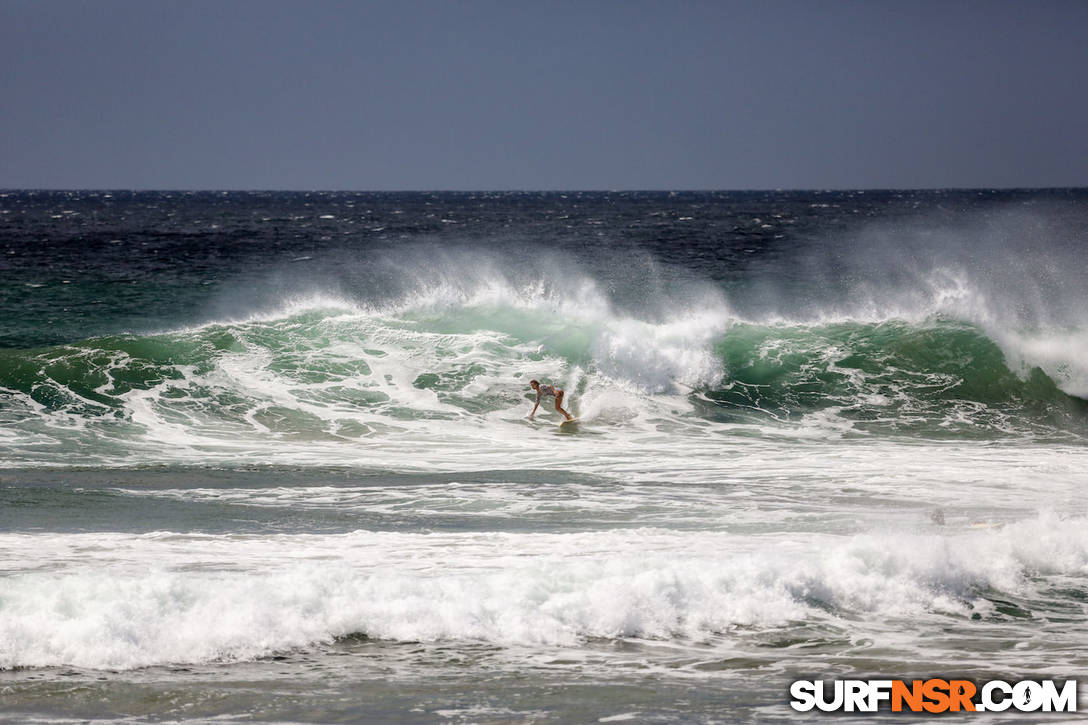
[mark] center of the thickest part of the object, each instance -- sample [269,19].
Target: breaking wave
[327,370]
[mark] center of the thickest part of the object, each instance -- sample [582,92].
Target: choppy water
[266,456]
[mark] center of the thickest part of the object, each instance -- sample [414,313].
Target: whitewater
[267,456]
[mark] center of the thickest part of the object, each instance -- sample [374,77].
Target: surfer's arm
[535,406]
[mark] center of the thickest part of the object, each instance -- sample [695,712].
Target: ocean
[267,456]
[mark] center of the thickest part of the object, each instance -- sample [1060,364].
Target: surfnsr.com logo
[933,695]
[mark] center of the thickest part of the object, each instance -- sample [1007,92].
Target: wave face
[452,341]
[327,374]
[972,332]
[933,379]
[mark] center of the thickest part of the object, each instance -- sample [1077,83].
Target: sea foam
[117,601]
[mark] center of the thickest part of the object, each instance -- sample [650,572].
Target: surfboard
[571,424]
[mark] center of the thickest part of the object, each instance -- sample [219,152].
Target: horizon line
[778,190]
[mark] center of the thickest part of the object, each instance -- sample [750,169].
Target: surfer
[542,390]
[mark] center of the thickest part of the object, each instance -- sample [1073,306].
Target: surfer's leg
[559,404]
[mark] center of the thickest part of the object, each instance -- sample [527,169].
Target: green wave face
[940,379]
[330,377]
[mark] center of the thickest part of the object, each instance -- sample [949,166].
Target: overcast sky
[764,94]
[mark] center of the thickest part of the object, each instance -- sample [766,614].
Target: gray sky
[270,94]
